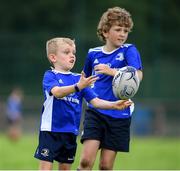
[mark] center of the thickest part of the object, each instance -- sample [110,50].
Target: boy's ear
[105,34]
[52,57]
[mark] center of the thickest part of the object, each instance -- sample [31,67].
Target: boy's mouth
[72,61]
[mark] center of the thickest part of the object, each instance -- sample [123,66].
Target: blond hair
[114,16]
[52,45]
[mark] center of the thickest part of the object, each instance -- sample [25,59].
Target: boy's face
[65,58]
[116,36]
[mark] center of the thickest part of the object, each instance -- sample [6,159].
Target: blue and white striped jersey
[63,114]
[125,55]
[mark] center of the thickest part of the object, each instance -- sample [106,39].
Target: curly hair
[114,16]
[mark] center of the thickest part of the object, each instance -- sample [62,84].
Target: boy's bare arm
[104,104]
[60,92]
[140,74]
[105,69]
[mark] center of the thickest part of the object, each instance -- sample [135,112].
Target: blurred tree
[26,25]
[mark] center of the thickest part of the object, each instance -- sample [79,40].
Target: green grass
[145,154]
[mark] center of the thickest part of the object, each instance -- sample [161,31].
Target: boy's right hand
[85,82]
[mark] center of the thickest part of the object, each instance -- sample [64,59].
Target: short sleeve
[133,57]
[49,81]
[88,94]
[88,66]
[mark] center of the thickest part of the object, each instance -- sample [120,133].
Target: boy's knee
[85,164]
[105,166]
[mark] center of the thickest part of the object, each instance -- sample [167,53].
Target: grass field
[145,154]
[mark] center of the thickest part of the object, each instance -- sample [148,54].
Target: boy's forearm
[60,92]
[140,74]
[102,104]
[112,72]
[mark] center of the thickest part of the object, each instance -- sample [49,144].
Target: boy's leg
[91,138]
[14,130]
[64,166]
[107,158]
[14,133]
[88,154]
[116,138]
[45,165]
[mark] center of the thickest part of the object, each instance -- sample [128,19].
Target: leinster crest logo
[45,152]
[120,57]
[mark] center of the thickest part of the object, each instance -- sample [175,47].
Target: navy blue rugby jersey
[62,114]
[127,54]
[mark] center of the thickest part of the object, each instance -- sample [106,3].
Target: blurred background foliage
[27,25]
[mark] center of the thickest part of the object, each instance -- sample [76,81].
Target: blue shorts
[56,146]
[113,133]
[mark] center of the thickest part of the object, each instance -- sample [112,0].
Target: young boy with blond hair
[61,112]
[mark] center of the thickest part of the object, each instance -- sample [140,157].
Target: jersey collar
[61,72]
[105,52]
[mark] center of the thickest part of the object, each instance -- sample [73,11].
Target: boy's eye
[126,30]
[66,51]
[118,30]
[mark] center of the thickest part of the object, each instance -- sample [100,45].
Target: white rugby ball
[125,83]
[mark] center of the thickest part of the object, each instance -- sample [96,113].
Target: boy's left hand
[104,69]
[122,104]
[86,81]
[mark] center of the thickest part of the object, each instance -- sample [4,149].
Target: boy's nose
[72,56]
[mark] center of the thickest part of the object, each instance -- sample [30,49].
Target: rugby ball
[125,83]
